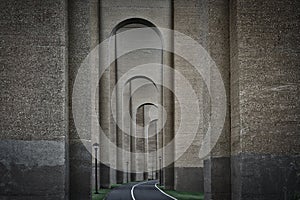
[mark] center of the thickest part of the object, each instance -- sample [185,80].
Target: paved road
[138,191]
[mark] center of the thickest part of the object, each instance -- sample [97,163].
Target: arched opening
[129,123]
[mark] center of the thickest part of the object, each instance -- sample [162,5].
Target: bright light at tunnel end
[96,64]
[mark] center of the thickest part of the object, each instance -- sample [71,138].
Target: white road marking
[132,195]
[164,192]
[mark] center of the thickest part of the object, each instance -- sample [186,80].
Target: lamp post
[127,178]
[96,147]
[152,174]
[160,171]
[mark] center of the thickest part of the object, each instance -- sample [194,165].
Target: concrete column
[140,143]
[265,99]
[34,96]
[120,134]
[108,125]
[126,124]
[152,149]
[168,130]
[167,100]
[209,25]
[217,164]
[189,167]
[83,37]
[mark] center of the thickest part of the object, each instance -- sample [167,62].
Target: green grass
[178,195]
[184,195]
[101,195]
[103,192]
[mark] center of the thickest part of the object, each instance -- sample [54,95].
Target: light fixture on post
[160,171]
[96,147]
[127,174]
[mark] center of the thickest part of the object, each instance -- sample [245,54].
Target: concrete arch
[142,77]
[121,89]
[141,21]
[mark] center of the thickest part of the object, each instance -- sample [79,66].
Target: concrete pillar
[209,25]
[140,143]
[108,173]
[265,99]
[83,37]
[168,132]
[152,148]
[189,167]
[126,124]
[217,164]
[34,119]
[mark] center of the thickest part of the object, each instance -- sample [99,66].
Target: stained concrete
[265,176]
[217,178]
[208,23]
[33,120]
[265,94]
[189,179]
[40,55]
[83,36]
[32,169]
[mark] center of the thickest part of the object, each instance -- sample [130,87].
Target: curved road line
[146,190]
[164,192]
[132,189]
[138,184]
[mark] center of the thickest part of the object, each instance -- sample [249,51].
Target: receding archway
[119,127]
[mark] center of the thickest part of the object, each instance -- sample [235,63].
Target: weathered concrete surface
[188,11]
[265,176]
[32,169]
[33,120]
[208,24]
[83,36]
[217,165]
[189,179]
[264,86]
[217,178]
[265,98]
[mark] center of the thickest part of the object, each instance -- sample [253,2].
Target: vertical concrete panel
[83,36]
[34,157]
[265,46]
[218,161]
[189,163]
[208,25]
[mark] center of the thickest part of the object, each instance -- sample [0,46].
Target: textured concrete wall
[265,99]
[83,37]
[33,120]
[217,165]
[188,168]
[208,24]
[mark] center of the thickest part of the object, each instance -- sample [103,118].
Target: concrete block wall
[34,114]
[265,96]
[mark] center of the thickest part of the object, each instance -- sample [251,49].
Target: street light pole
[152,174]
[127,172]
[160,171]
[96,146]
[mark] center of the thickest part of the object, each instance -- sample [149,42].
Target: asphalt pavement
[138,191]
